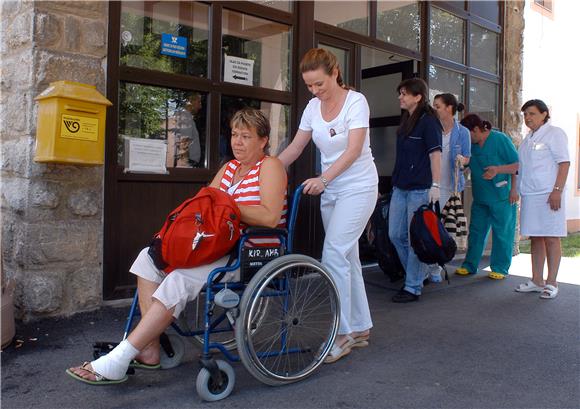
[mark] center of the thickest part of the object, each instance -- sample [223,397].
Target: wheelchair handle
[293,215]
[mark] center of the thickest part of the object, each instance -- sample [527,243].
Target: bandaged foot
[114,365]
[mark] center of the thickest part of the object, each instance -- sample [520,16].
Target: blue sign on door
[174,46]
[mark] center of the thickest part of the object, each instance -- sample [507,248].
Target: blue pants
[501,218]
[403,205]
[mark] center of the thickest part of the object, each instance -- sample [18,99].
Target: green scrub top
[498,149]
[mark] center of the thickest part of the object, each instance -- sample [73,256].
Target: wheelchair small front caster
[172,350]
[213,388]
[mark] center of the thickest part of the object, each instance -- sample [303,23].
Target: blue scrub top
[412,164]
[498,149]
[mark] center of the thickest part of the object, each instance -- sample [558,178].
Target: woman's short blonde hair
[252,118]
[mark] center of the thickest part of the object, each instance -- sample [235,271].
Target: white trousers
[180,286]
[345,215]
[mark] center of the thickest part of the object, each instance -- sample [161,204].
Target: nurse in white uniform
[337,120]
[543,167]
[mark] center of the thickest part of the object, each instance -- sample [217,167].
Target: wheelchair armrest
[265,231]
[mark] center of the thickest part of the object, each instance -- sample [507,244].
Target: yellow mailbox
[71,124]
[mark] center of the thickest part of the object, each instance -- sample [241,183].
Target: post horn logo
[72,125]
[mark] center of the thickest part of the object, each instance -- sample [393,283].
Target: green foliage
[570,246]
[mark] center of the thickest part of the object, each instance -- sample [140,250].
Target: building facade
[175,72]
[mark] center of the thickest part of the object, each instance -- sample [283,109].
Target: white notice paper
[145,155]
[239,70]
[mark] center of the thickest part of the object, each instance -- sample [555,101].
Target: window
[165,36]
[483,97]
[447,36]
[399,23]
[484,49]
[277,4]
[278,114]
[173,115]
[443,81]
[545,4]
[349,15]
[544,7]
[256,52]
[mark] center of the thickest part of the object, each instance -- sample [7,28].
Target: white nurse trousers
[345,215]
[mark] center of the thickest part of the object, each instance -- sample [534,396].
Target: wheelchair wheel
[298,327]
[209,389]
[173,358]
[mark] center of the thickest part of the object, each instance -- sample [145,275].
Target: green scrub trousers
[491,207]
[501,218]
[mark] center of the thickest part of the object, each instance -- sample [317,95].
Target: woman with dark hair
[456,151]
[415,179]
[494,162]
[544,165]
[337,120]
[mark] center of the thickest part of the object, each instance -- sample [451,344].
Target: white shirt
[540,153]
[331,138]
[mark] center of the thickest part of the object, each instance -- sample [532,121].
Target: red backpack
[199,231]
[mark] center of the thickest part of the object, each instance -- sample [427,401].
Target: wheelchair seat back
[254,258]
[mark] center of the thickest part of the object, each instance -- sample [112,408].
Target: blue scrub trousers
[501,218]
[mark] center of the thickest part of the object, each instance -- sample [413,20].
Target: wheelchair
[282,317]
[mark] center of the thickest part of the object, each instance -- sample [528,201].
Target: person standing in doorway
[337,120]
[493,165]
[456,151]
[544,165]
[416,178]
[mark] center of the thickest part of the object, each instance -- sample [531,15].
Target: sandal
[361,341]
[462,271]
[549,292]
[141,365]
[494,275]
[338,352]
[99,379]
[529,287]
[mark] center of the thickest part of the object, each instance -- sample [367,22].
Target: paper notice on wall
[145,155]
[238,70]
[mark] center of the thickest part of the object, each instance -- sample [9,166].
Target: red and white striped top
[247,193]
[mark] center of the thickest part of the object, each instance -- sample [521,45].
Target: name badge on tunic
[538,146]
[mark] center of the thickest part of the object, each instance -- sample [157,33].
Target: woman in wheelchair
[258,184]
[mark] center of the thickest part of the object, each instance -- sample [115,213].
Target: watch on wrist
[435,184]
[324,181]
[558,188]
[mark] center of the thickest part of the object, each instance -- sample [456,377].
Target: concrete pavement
[472,344]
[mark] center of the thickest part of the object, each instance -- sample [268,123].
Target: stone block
[18,31]
[48,30]
[94,38]
[55,67]
[45,194]
[40,293]
[14,192]
[78,8]
[14,77]
[84,202]
[72,37]
[83,287]
[15,112]
[14,156]
[60,241]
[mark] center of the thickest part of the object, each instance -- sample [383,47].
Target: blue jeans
[403,205]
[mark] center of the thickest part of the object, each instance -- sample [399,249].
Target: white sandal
[338,352]
[529,287]
[549,292]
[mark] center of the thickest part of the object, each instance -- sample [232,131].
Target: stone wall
[52,215]
[513,69]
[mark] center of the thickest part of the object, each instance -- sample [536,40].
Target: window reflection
[262,48]
[447,35]
[176,116]
[278,115]
[398,23]
[277,4]
[443,81]
[349,15]
[484,49]
[483,97]
[147,26]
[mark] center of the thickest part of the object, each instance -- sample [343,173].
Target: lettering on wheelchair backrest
[258,253]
